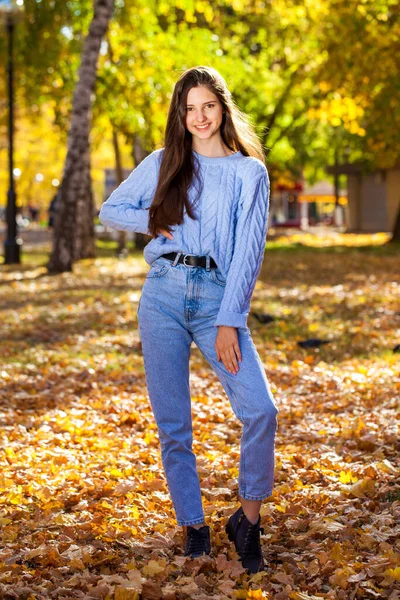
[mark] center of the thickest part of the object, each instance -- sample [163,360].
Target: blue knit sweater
[232,222]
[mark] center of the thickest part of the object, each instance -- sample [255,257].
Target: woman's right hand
[166,234]
[227,348]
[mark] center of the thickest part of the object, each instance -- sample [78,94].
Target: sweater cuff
[231,319]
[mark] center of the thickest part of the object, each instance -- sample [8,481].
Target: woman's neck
[212,151]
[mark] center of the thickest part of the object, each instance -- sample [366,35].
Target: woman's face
[203,113]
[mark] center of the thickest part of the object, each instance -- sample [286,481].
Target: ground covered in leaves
[84,507]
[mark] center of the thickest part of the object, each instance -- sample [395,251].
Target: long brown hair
[179,164]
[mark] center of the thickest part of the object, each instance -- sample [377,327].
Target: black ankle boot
[197,541]
[246,537]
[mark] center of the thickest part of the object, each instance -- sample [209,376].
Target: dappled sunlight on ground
[325,238]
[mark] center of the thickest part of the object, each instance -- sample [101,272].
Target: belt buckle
[184,260]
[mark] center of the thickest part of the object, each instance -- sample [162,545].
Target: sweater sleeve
[248,254]
[127,207]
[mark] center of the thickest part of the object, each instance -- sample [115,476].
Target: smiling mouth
[202,126]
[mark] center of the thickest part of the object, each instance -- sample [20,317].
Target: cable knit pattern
[232,215]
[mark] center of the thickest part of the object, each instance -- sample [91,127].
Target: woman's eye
[207,105]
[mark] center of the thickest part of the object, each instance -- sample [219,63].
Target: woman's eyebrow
[208,102]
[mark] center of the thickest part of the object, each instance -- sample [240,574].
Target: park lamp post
[10,10]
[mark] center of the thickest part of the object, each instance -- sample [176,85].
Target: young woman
[204,200]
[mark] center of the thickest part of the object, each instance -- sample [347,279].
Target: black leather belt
[191,260]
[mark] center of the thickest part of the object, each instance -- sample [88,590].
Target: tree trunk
[85,242]
[74,187]
[339,209]
[396,230]
[139,154]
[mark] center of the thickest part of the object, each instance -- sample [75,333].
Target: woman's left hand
[166,234]
[227,347]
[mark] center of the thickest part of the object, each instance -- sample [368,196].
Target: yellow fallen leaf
[363,488]
[347,477]
[16,497]
[123,593]
[326,524]
[393,573]
[387,467]
[153,567]
[77,563]
[10,453]
[341,577]
[116,473]
[257,577]
[256,594]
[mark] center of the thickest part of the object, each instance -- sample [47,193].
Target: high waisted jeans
[179,305]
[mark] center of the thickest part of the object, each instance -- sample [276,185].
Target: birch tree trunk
[85,240]
[76,190]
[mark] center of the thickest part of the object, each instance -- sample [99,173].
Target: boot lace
[196,541]
[252,542]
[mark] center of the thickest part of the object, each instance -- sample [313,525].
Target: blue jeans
[179,305]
